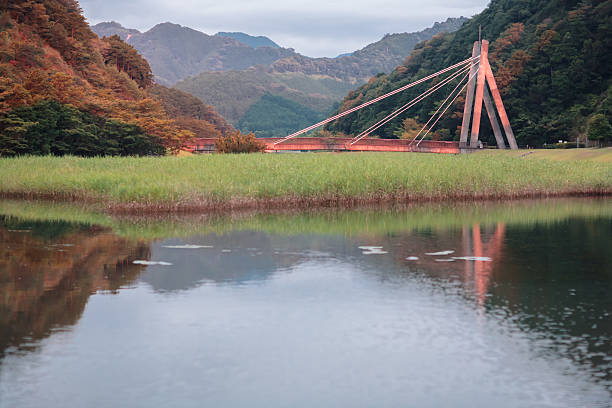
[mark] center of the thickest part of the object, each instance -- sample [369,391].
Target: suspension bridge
[473,75]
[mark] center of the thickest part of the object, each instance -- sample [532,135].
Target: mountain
[176,52]
[190,113]
[381,56]
[313,83]
[232,93]
[109,29]
[552,62]
[65,91]
[275,116]
[251,41]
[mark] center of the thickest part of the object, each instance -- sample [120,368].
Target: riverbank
[231,182]
[395,219]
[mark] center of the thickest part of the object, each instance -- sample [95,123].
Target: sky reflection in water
[253,313]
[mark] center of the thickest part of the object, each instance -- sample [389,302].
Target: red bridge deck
[342,144]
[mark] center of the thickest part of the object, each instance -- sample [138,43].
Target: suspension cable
[407,106]
[363,105]
[438,110]
[444,111]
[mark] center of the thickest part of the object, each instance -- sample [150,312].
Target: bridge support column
[499,138]
[469,99]
[492,101]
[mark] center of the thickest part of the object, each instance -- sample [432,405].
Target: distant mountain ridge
[176,52]
[251,41]
[379,57]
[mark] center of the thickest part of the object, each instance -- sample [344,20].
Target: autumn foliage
[238,142]
[49,53]
[551,60]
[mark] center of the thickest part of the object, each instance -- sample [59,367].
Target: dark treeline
[49,127]
[552,61]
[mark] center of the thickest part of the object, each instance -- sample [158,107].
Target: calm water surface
[497,305]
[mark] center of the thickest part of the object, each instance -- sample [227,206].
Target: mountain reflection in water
[48,271]
[547,277]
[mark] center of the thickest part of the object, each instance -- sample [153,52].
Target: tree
[599,128]
[49,127]
[126,59]
[13,130]
[238,142]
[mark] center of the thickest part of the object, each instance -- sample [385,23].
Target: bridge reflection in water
[479,270]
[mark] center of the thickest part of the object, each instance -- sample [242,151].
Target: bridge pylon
[481,75]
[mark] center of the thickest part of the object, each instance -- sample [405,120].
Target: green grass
[234,181]
[597,155]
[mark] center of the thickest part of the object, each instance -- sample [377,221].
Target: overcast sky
[316,28]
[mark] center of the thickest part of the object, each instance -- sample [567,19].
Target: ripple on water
[150,263]
[441,253]
[187,246]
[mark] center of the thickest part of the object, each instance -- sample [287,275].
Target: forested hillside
[552,61]
[275,116]
[65,91]
[190,113]
[232,93]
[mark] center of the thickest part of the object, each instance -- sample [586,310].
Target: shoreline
[208,206]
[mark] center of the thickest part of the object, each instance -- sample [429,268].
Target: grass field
[300,180]
[597,155]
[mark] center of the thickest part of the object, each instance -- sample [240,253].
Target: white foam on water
[226,250]
[187,246]
[473,258]
[149,263]
[372,250]
[441,253]
[376,252]
[412,258]
[446,260]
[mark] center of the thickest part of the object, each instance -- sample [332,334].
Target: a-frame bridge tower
[477,92]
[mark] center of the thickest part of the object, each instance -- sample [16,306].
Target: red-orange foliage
[48,52]
[511,69]
[545,40]
[238,142]
[506,41]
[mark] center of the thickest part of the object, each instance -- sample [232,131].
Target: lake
[503,304]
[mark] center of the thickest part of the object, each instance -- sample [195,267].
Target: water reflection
[530,292]
[48,272]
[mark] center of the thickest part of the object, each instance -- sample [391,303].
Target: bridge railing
[342,144]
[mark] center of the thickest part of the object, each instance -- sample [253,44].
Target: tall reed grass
[234,181]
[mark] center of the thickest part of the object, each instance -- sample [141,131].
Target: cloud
[314,28]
